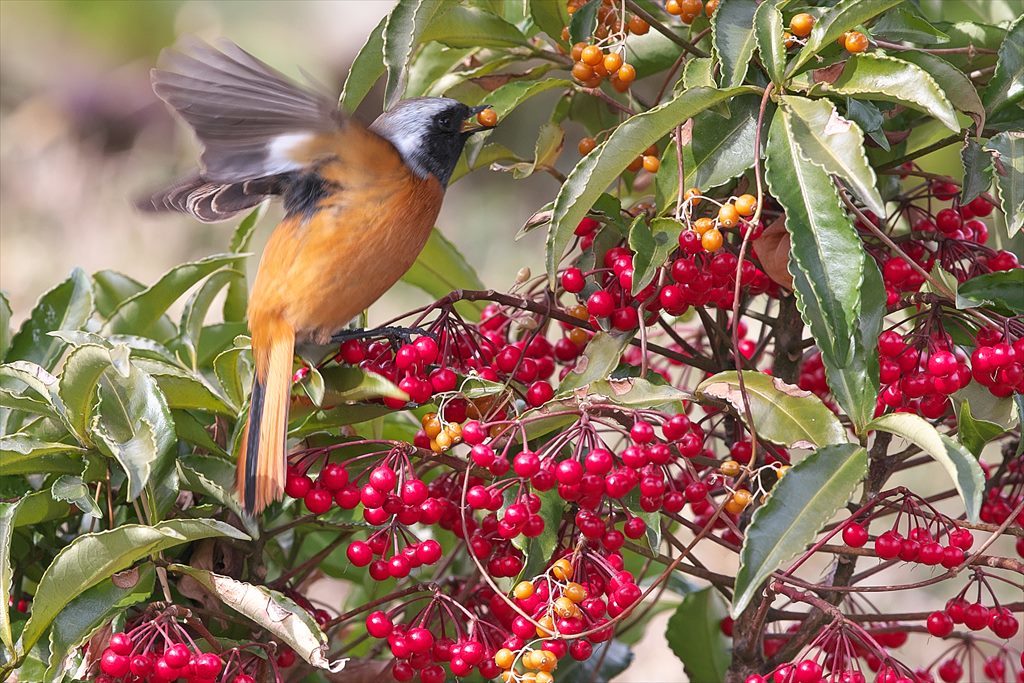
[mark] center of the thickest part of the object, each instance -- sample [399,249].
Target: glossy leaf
[868,117]
[24,454]
[1008,160]
[237,298]
[835,144]
[550,17]
[978,169]
[65,307]
[837,20]
[905,23]
[184,389]
[652,244]
[441,268]
[583,21]
[596,171]
[1007,84]
[732,35]
[367,67]
[798,506]
[538,549]
[638,392]
[466,26]
[694,634]
[960,465]
[79,382]
[825,245]
[91,610]
[598,360]
[1003,290]
[783,413]
[273,611]
[343,384]
[7,514]
[197,482]
[768,32]
[699,72]
[5,326]
[974,433]
[875,76]
[402,31]
[198,305]
[954,83]
[652,52]
[72,489]
[93,557]
[140,313]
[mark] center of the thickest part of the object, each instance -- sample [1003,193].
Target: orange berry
[591,55]
[565,33]
[842,40]
[693,195]
[711,240]
[673,7]
[564,607]
[612,61]
[702,225]
[579,336]
[582,71]
[651,151]
[454,430]
[788,40]
[575,592]
[801,25]
[619,85]
[504,658]
[431,424]
[545,630]
[651,163]
[579,311]
[545,661]
[488,118]
[635,165]
[688,18]
[543,677]
[729,468]
[638,26]
[443,441]
[562,569]
[728,216]
[710,7]
[577,51]
[600,71]
[781,472]
[745,204]
[856,42]
[587,146]
[693,7]
[523,590]
[626,73]
[738,502]
[508,677]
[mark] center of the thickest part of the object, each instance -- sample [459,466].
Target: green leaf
[7,514]
[798,506]
[854,383]
[436,65]
[596,171]
[836,21]
[367,67]
[5,326]
[133,425]
[652,52]
[783,413]
[608,660]
[905,23]
[550,17]
[344,384]
[140,313]
[836,145]
[91,558]
[38,507]
[869,118]
[237,298]
[768,32]
[973,433]
[402,31]
[652,244]
[978,169]
[78,384]
[1008,160]
[538,549]
[279,615]
[441,268]
[695,635]
[24,454]
[1003,290]
[699,72]
[583,22]
[73,490]
[876,76]
[550,139]
[192,431]
[999,410]
[65,307]
[598,360]
[234,371]
[637,392]
[487,155]
[465,26]
[87,613]
[954,84]
[197,482]
[184,389]
[732,36]
[1007,84]
[509,96]
[198,305]
[961,466]
[27,386]
[825,245]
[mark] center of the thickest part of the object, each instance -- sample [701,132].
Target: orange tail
[261,463]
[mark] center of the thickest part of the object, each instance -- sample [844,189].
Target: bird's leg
[391,333]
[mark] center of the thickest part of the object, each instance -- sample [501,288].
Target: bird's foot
[393,334]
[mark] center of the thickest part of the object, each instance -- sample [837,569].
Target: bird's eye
[444,121]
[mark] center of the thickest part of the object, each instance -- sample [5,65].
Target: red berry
[539,393]
[888,545]
[379,624]
[573,280]
[359,553]
[600,304]
[333,476]
[208,665]
[318,501]
[855,535]
[297,485]
[114,664]
[950,671]
[808,671]
[939,624]
[976,616]
[177,655]
[121,643]
[285,658]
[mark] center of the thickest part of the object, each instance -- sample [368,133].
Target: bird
[359,203]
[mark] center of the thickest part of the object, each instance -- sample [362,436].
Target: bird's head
[429,133]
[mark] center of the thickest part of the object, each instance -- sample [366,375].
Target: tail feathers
[261,465]
[211,202]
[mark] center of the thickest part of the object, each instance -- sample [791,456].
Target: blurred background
[81,135]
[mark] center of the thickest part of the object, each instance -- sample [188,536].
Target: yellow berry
[738,502]
[745,205]
[564,607]
[431,425]
[444,442]
[651,164]
[546,627]
[702,225]
[575,592]
[729,468]
[801,25]
[693,196]
[504,658]
[523,590]
[712,240]
[562,569]
[728,216]
[612,61]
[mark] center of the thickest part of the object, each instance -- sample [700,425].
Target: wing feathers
[213,202]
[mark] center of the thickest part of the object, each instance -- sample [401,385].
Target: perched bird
[360,204]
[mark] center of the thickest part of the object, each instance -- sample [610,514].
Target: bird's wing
[213,202]
[251,120]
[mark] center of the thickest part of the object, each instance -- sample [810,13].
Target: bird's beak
[472,125]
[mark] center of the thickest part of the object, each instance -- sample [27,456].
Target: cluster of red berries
[997,364]
[920,375]
[974,616]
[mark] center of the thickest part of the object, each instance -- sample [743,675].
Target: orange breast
[318,273]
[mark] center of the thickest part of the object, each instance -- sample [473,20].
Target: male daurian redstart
[360,204]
